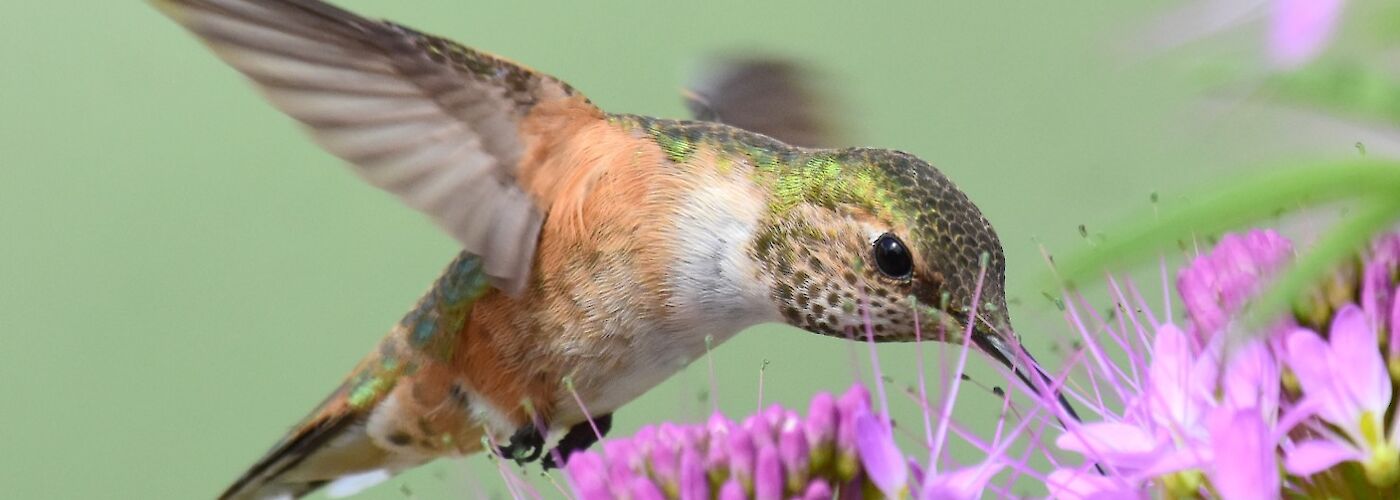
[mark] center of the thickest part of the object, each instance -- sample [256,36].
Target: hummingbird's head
[861,237]
[883,233]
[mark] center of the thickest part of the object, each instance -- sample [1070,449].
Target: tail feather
[330,443]
[355,483]
[269,477]
[380,420]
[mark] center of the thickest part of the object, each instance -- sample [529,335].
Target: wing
[430,121]
[771,96]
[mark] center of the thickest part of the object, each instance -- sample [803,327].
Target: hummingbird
[601,252]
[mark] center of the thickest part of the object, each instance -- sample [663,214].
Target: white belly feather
[716,291]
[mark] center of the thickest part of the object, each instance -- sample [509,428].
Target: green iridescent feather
[431,328]
[822,177]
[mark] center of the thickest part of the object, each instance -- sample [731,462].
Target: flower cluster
[1295,410]
[773,454]
[842,448]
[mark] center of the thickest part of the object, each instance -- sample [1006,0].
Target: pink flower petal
[963,483]
[1070,484]
[1251,379]
[1395,323]
[1121,444]
[741,453]
[1219,282]
[822,419]
[768,478]
[588,475]
[1300,29]
[693,485]
[1376,288]
[817,490]
[1311,361]
[642,488]
[1245,463]
[792,447]
[883,461]
[732,490]
[1180,381]
[1317,455]
[1355,347]
[1189,456]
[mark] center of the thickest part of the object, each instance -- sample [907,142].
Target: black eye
[892,257]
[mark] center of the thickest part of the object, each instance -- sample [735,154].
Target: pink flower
[1177,401]
[1300,29]
[1178,428]
[883,461]
[1219,282]
[1252,381]
[772,454]
[1246,463]
[1085,484]
[1379,298]
[1161,429]
[1244,448]
[841,445]
[889,471]
[966,483]
[1346,379]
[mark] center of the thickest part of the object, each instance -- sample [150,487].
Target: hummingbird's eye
[892,257]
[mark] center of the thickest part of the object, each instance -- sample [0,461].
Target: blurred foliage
[1350,88]
[1356,81]
[1373,186]
[1359,76]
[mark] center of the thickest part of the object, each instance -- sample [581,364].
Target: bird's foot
[525,445]
[579,438]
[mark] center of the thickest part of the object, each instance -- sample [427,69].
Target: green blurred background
[183,275]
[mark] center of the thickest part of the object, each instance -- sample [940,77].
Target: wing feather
[776,97]
[430,121]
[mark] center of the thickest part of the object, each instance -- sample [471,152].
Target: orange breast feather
[598,273]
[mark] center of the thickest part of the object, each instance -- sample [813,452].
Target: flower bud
[768,481]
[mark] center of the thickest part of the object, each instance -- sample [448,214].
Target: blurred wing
[428,120]
[774,97]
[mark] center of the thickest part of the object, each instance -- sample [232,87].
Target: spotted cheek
[818,305]
[890,313]
[828,289]
[833,309]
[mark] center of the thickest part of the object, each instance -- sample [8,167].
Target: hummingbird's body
[602,252]
[614,310]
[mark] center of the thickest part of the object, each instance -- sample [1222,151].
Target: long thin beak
[1009,352]
[1000,349]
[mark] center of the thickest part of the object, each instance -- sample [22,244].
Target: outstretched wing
[772,96]
[430,121]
